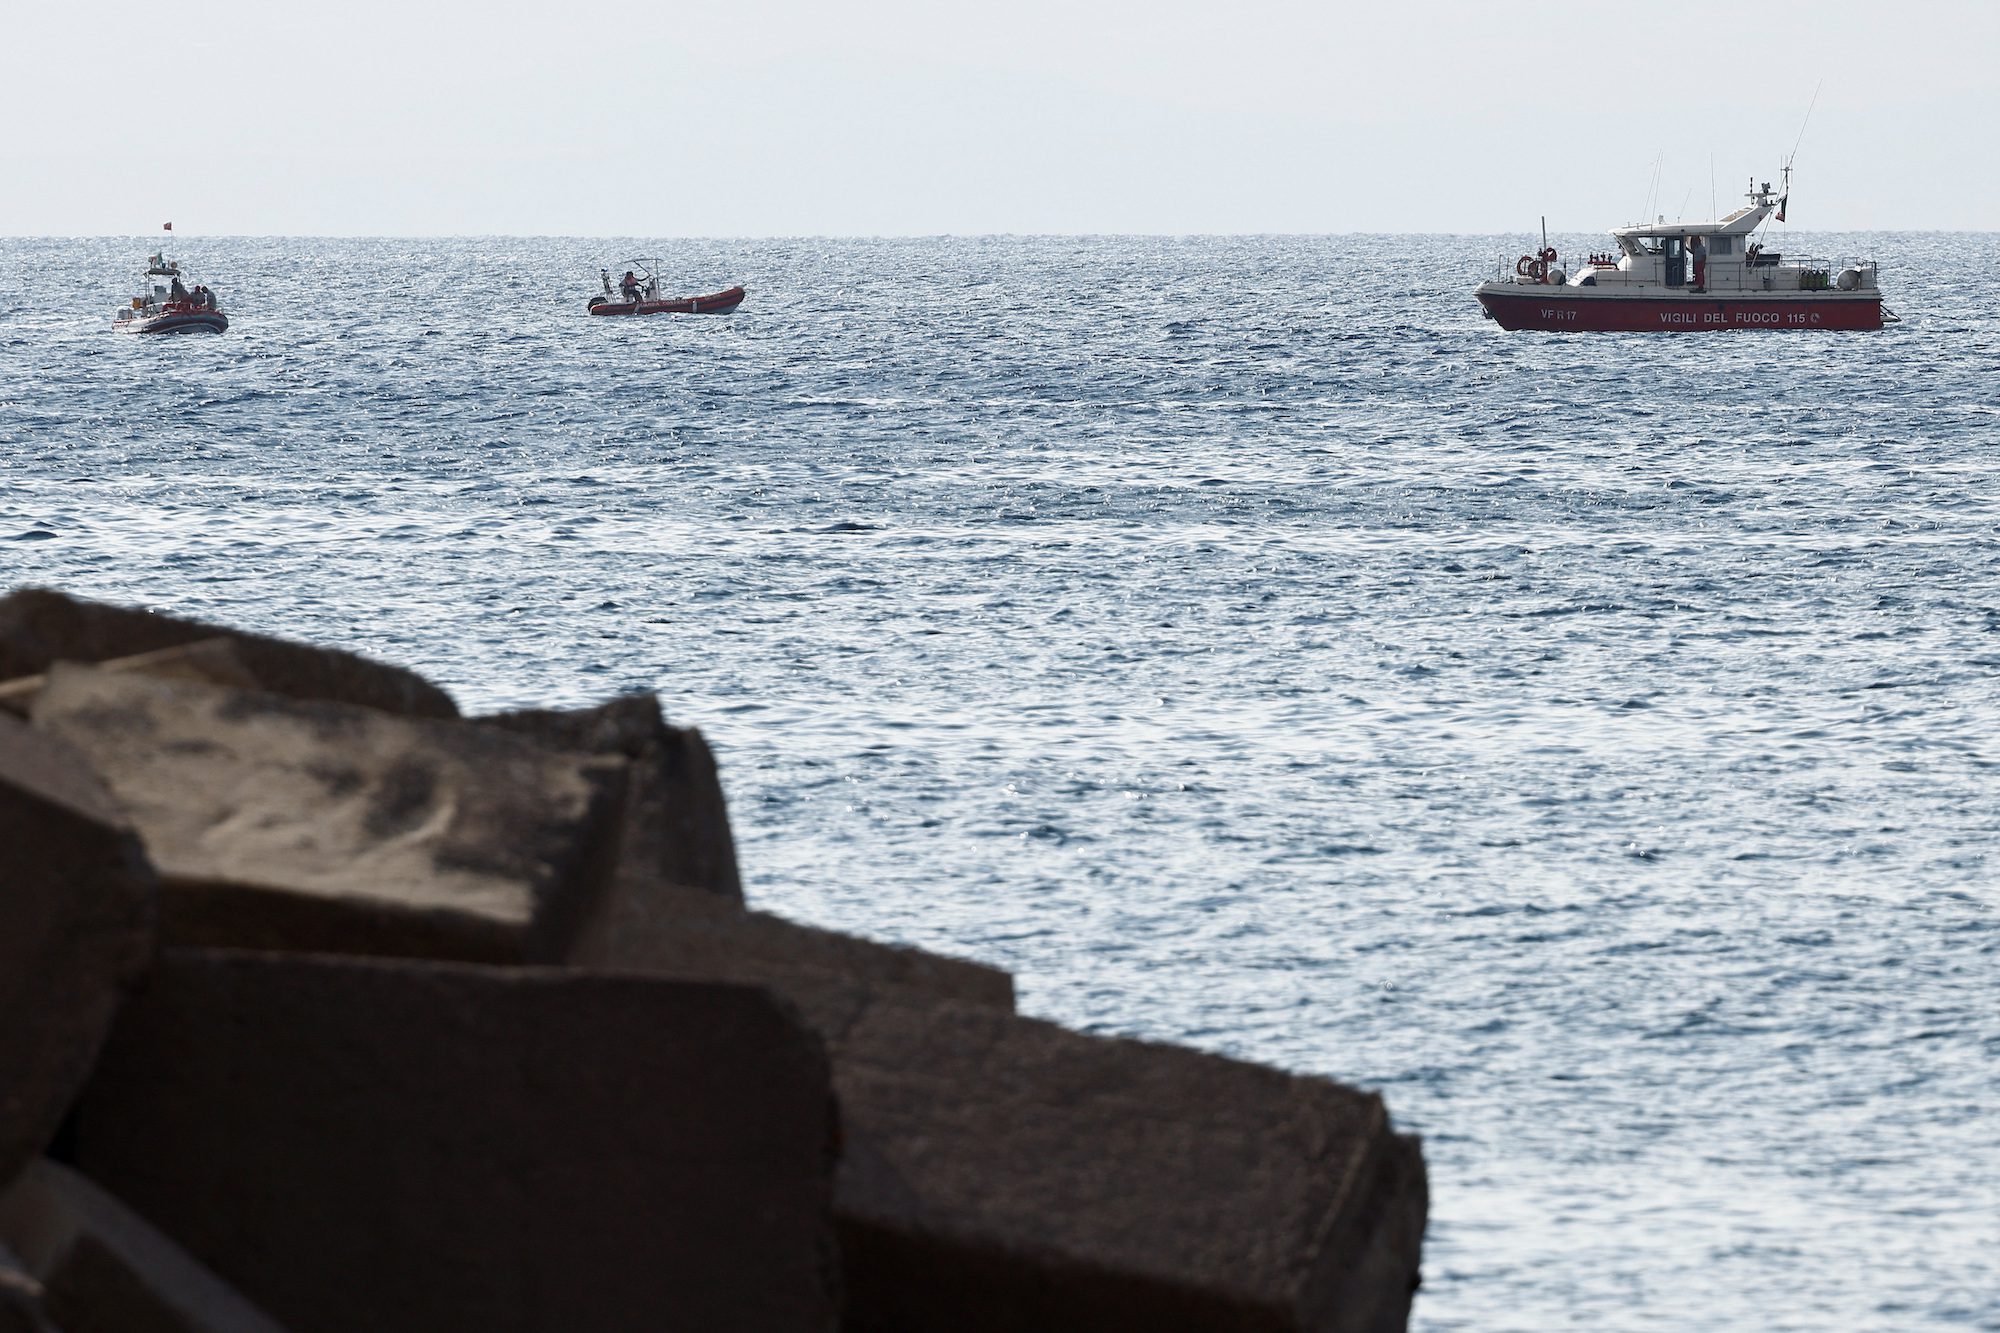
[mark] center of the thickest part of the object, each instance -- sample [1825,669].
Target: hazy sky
[781,117]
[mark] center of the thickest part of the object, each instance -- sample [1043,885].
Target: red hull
[717,303]
[1559,310]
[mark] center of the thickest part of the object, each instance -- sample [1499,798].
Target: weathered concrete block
[676,823]
[211,661]
[625,725]
[669,930]
[77,903]
[282,823]
[359,1144]
[1003,1173]
[39,627]
[103,1269]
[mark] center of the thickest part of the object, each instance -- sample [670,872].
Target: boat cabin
[1721,256]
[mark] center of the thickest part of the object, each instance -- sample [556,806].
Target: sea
[1591,742]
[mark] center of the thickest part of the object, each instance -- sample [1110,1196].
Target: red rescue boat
[638,293]
[1688,277]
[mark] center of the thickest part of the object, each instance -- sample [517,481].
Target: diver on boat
[177,292]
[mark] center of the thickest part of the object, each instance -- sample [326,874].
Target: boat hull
[206,321]
[716,303]
[1517,306]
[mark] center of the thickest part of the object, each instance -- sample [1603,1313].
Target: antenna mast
[1785,197]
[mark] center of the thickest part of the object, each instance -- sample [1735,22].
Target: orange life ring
[1536,265]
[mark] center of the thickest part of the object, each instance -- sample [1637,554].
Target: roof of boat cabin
[1740,223]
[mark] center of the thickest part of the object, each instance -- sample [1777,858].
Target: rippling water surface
[1590,742]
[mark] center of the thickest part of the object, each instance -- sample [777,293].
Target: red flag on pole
[169,226]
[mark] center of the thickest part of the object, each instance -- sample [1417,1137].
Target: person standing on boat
[629,285]
[1698,251]
[177,292]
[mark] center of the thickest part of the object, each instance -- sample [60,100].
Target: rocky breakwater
[330,1009]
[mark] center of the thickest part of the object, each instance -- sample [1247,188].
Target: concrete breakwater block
[1003,1173]
[103,1269]
[676,824]
[643,1136]
[281,823]
[360,1144]
[77,903]
[674,906]
[669,930]
[211,661]
[40,627]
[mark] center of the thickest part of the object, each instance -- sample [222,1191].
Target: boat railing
[1790,260]
[1820,274]
[1507,268]
[1811,273]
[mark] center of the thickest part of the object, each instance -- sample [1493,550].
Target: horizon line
[884,235]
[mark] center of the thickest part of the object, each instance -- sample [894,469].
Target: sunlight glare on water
[1589,742]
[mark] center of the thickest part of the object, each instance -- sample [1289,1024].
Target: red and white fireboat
[165,304]
[1688,277]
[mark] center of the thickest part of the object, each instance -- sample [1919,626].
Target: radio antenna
[1786,196]
[1802,124]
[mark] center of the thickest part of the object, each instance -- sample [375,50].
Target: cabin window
[1722,245]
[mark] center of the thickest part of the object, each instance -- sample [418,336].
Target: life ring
[1536,266]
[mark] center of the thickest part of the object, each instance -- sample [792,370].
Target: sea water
[1589,741]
